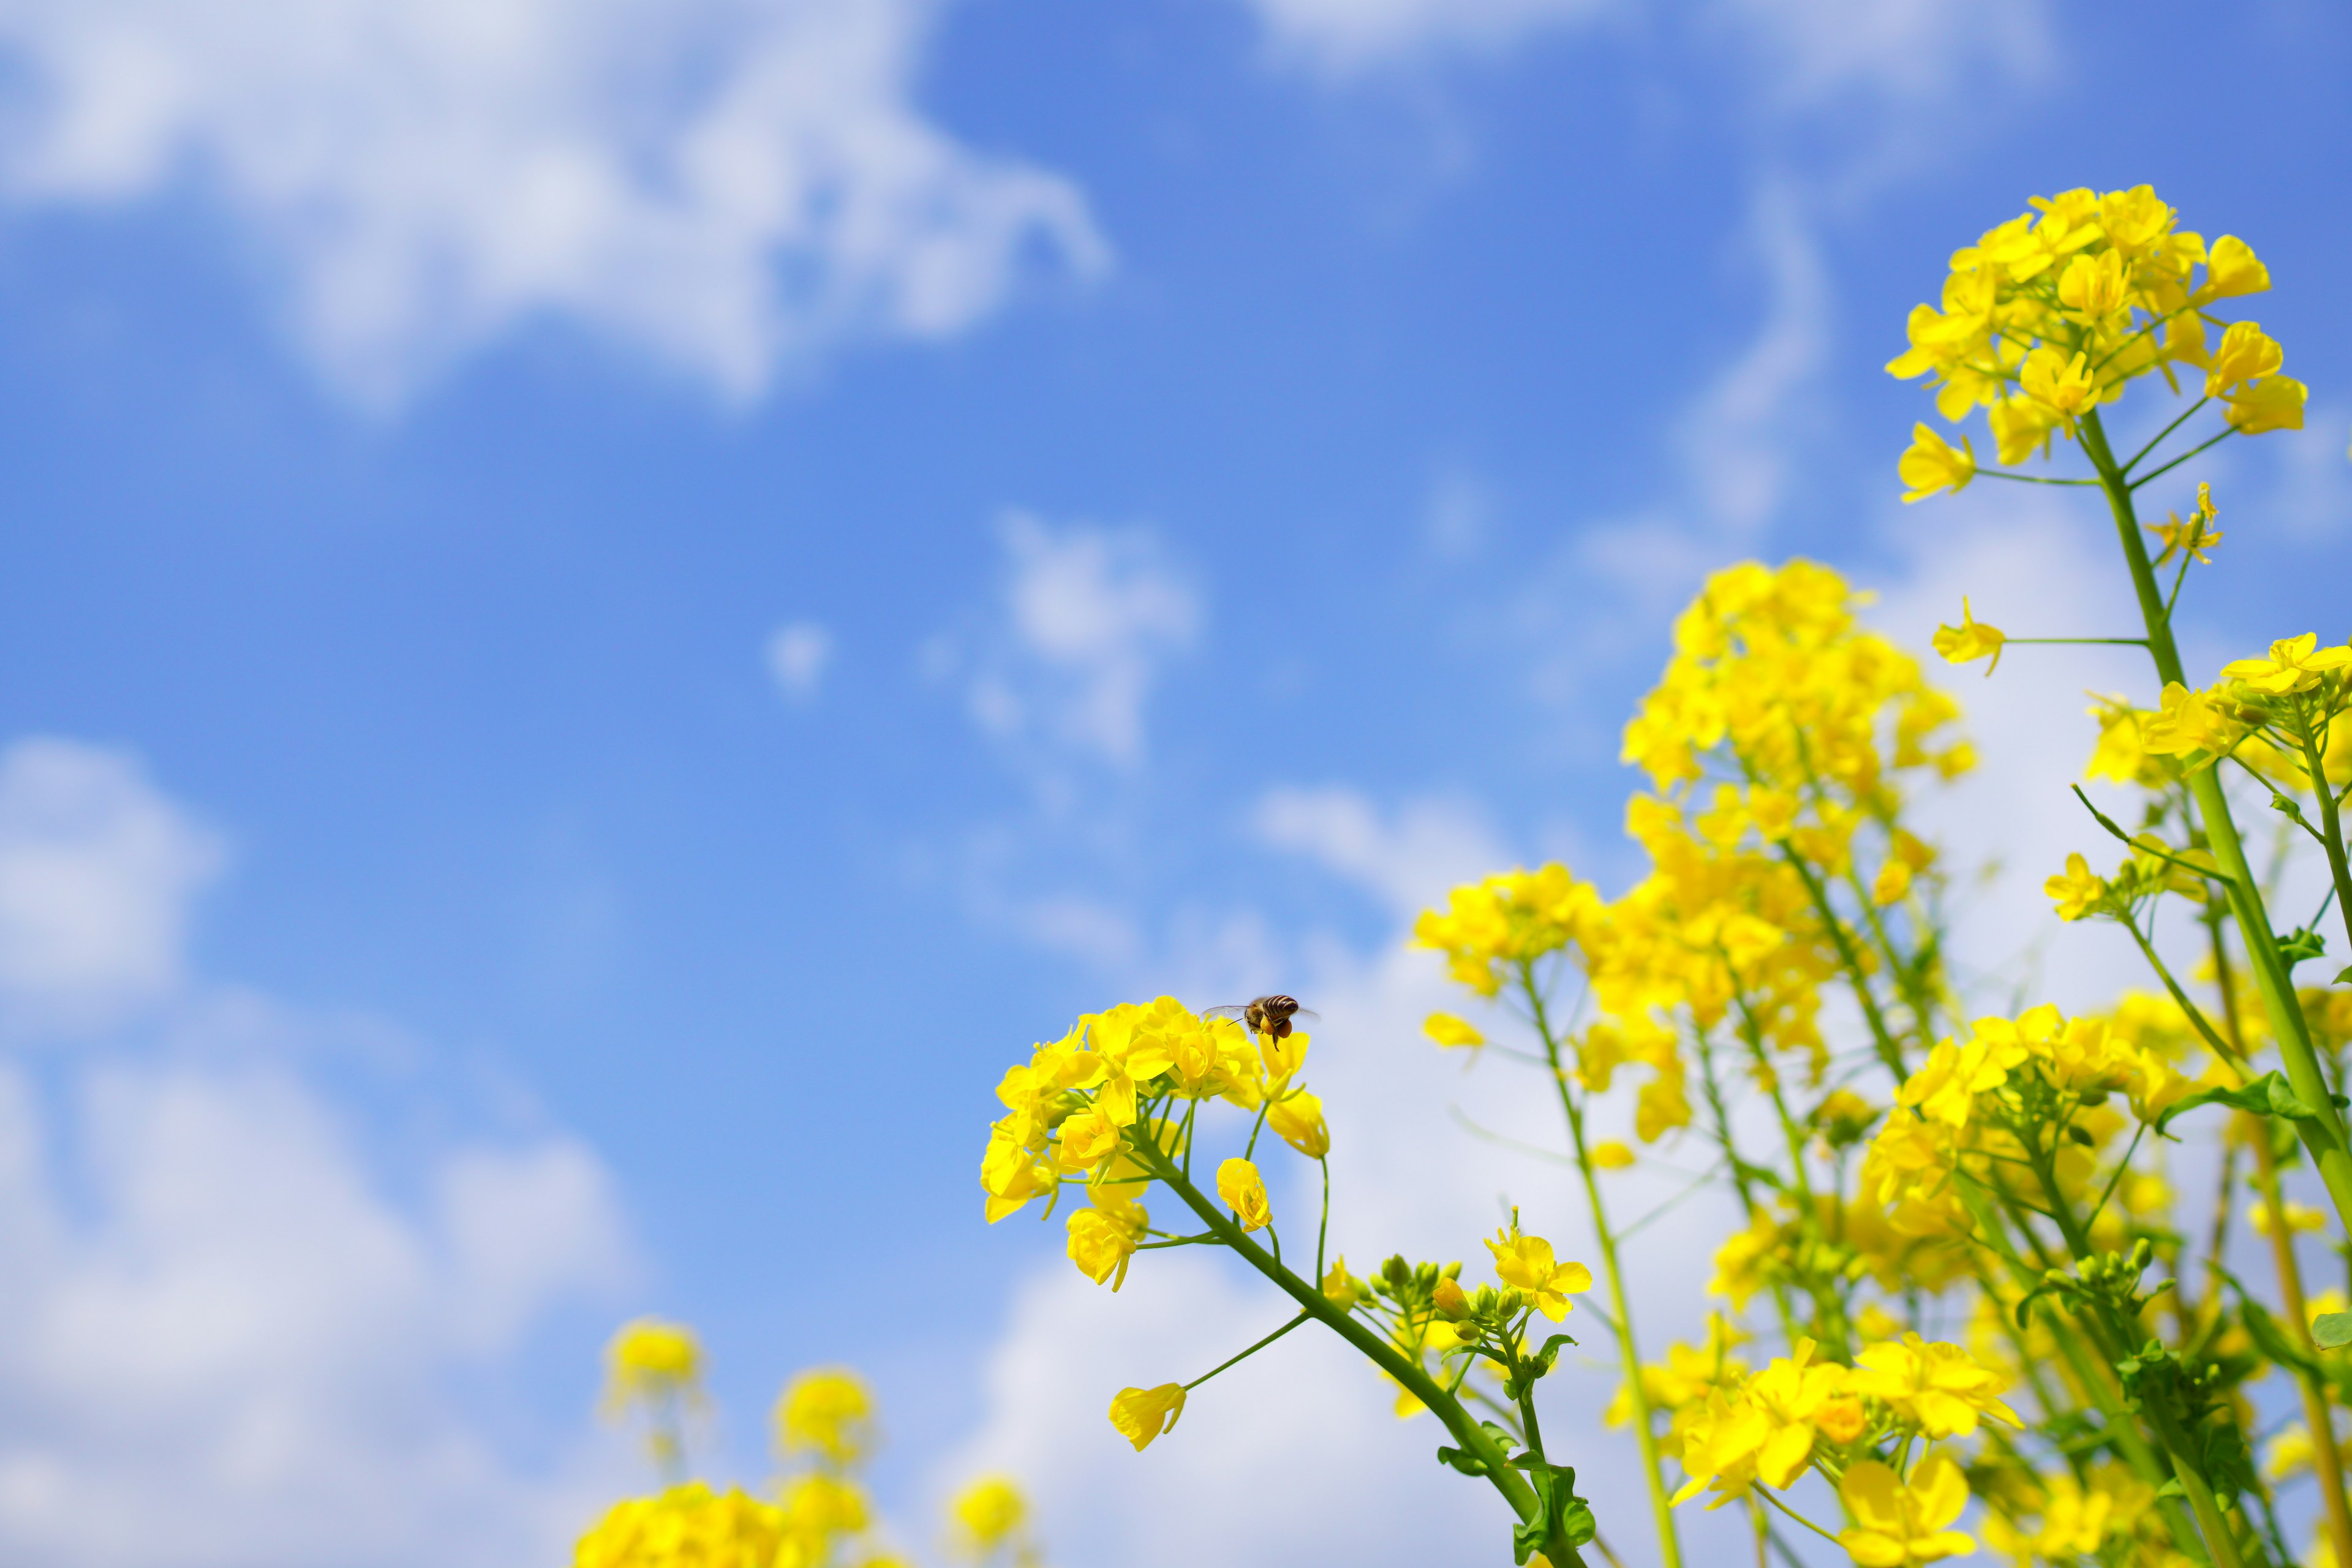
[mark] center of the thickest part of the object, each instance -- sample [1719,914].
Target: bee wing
[1306,1015]
[1225,1010]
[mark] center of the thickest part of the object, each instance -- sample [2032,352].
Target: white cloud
[1407,862]
[229,1346]
[729,185]
[1341,35]
[798,656]
[224,1342]
[98,871]
[1088,616]
[1797,54]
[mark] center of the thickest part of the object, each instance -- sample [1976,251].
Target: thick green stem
[2331,820]
[2321,1133]
[1408,1372]
[1660,1502]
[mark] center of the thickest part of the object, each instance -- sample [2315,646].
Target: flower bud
[1449,1299]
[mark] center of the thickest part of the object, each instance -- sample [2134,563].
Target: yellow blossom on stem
[1452,1032]
[2076,890]
[1938,1388]
[1101,1242]
[1969,639]
[1935,464]
[1524,1263]
[2275,403]
[2188,721]
[987,1513]
[650,1361]
[1142,1413]
[1298,1120]
[828,1409]
[1243,1190]
[688,1526]
[2245,353]
[1895,1524]
[2294,664]
[1611,1155]
[2194,538]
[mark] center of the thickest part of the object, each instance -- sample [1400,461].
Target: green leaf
[1469,1464]
[2344,975]
[2273,1340]
[2172,1489]
[2269,1095]
[2301,944]
[2332,1331]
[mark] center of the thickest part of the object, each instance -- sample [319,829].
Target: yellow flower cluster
[1770,1427]
[1078,1111]
[1489,928]
[2053,313]
[688,1526]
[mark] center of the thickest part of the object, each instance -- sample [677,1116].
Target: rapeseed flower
[1526,1263]
[1896,1524]
[828,1409]
[1143,1414]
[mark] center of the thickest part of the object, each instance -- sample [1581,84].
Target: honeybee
[1264,1014]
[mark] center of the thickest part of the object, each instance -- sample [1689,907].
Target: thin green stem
[1246,1354]
[1889,1051]
[1409,1373]
[2321,1133]
[2331,820]
[2137,458]
[2158,473]
[1661,1505]
[2028,479]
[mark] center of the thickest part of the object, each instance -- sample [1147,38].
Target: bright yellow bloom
[828,1409]
[2077,891]
[650,1362]
[1102,1241]
[1450,1031]
[2232,269]
[2195,537]
[1611,1155]
[1142,1413]
[2275,404]
[987,1513]
[1086,1139]
[1298,1120]
[2189,721]
[1894,880]
[1969,639]
[823,1506]
[1765,1430]
[1488,928]
[2294,664]
[1935,464]
[1244,1192]
[1344,1288]
[1524,1263]
[2246,353]
[2061,385]
[1938,1388]
[686,1527]
[1896,1525]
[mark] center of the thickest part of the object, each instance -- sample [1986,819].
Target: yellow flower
[2233,269]
[2275,404]
[1088,1140]
[1450,1031]
[1344,1288]
[1297,1121]
[828,1409]
[1935,464]
[1101,1242]
[825,1506]
[1896,1525]
[1244,1192]
[987,1513]
[1524,1263]
[2246,353]
[2195,537]
[1938,1388]
[649,1361]
[2063,385]
[2294,664]
[1611,1155]
[2188,721]
[1969,639]
[686,1527]
[1894,880]
[1142,1413]
[2076,891]
[2299,1217]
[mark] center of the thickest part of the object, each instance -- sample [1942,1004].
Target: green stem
[1233,1361]
[2331,820]
[1415,1379]
[1660,1502]
[1889,1050]
[2321,1133]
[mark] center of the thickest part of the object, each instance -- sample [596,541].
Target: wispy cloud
[97,875]
[799,654]
[730,188]
[225,1335]
[1088,616]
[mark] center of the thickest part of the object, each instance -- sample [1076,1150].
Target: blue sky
[1229,465]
